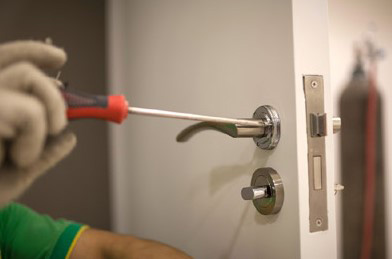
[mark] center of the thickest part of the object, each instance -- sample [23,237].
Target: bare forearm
[102,244]
[138,248]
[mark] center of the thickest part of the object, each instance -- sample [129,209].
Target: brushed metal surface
[314,99]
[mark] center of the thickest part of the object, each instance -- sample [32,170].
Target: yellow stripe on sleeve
[77,236]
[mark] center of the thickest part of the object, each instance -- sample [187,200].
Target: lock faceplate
[316,132]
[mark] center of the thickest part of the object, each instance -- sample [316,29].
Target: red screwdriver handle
[80,105]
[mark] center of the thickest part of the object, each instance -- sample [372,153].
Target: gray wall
[78,188]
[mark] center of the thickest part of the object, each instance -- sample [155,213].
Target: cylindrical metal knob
[337,124]
[266,191]
[252,193]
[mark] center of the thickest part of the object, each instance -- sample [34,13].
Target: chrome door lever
[264,127]
[233,130]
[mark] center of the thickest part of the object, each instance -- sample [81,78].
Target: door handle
[265,136]
[233,130]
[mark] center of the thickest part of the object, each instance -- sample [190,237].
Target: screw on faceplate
[319,222]
[314,84]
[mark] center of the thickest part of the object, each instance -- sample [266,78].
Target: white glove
[32,116]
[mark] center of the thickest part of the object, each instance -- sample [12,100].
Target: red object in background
[362,166]
[370,165]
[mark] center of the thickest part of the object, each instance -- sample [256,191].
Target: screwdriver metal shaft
[190,116]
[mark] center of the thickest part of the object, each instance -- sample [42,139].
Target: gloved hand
[32,116]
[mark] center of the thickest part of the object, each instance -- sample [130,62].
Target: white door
[222,58]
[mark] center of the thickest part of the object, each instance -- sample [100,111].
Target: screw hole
[319,222]
[314,84]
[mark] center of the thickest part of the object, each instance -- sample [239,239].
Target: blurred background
[80,186]
[353,24]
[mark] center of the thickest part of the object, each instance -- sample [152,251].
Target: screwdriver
[115,108]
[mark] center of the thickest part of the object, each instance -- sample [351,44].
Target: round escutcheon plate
[273,203]
[271,137]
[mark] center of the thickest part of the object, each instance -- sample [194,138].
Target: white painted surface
[216,58]
[117,67]
[350,23]
[311,57]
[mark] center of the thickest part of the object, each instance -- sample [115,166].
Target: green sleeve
[27,234]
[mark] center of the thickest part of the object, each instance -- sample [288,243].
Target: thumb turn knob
[252,193]
[266,191]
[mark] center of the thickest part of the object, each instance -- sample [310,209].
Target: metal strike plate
[316,132]
[266,191]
